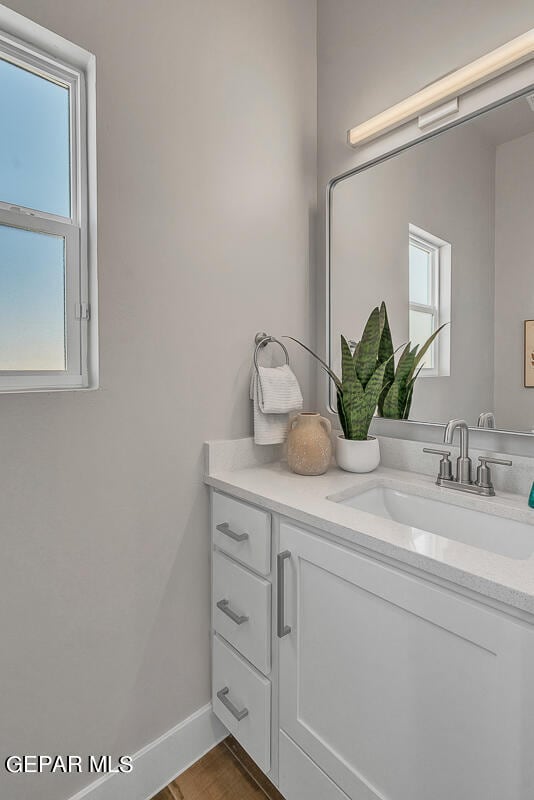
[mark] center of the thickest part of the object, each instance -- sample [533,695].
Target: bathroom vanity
[373,635]
[357,653]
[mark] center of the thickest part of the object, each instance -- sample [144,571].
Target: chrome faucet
[486,420]
[463,481]
[463,462]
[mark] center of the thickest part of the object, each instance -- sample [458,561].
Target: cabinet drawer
[237,688]
[242,610]
[242,531]
[300,777]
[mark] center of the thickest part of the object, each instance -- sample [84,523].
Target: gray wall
[373,54]
[207,184]
[514,286]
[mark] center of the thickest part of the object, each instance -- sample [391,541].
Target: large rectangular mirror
[443,232]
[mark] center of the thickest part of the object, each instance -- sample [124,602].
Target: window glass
[32,300]
[421,327]
[34,141]
[420,275]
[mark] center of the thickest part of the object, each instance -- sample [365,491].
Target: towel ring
[261,340]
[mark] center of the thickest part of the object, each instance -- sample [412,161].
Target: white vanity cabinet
[397,688]
[386,685]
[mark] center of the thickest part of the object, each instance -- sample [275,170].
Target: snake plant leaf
[361,430]
[405,366]
[363,404]
[332,375]
[381,398]
[409,394]
[374,388]
[385,354]
[385,345]
[408,401]
[394,401]
[416,375]
[348,370]
[356,410]
[352,390]
[347,401]
[342,416]
[367,356]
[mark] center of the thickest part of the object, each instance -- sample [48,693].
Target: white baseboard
[157,764]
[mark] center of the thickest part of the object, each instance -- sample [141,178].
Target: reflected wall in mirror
[443,232]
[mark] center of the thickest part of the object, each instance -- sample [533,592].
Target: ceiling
[507,122]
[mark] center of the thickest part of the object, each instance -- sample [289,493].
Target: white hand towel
[275,393]
[278,390]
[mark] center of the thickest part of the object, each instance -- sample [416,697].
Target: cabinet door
[399,689]
[301,779]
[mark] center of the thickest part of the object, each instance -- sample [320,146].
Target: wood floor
[225,773]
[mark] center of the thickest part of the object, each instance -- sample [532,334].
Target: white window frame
[27,45]
[440,253]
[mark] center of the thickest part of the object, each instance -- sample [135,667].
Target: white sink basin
[424,515]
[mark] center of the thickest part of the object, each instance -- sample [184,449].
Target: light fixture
[509,55]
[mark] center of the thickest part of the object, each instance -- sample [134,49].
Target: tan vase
[309,448]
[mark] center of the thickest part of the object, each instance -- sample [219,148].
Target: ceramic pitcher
[309,448]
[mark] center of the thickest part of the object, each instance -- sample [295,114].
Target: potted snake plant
[358,391]
[370,382]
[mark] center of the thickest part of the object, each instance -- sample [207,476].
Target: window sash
[73,229]
[71,80]
[73,338]
[432,308]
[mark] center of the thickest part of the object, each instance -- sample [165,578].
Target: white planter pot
[357,456]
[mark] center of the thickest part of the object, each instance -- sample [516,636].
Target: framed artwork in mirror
[529,353]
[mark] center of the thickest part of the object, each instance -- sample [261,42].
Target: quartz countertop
[306,499]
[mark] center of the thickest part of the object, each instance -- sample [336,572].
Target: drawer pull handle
[239,619]
[226,529]
[282,628]
[227,703]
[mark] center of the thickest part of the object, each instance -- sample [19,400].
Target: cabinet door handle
[226,529]
[224,606]
[239,714]
[282,628]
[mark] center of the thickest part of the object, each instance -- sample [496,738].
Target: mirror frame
[494,93]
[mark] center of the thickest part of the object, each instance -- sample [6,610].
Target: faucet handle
[489,460]
[484,473]
[445,467]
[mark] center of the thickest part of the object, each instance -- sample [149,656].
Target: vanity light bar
[509,55]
